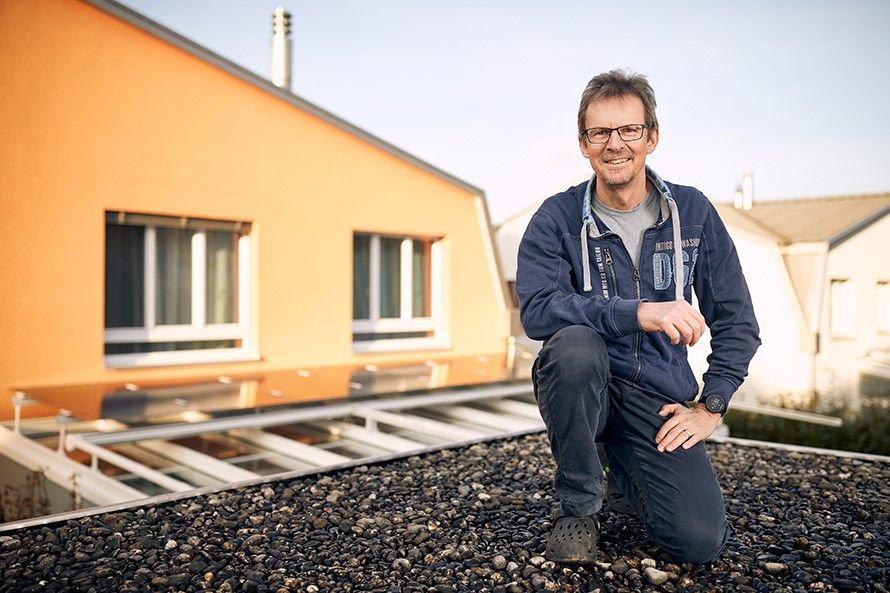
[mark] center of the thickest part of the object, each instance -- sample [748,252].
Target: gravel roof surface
[467,519]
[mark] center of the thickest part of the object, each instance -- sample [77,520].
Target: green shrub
[868,431]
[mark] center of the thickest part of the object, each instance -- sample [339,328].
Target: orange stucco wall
[99,115]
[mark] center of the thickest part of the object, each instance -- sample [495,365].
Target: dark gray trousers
[675,494]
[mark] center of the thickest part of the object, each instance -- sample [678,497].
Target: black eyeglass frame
[586,133]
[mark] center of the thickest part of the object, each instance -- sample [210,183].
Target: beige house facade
[833,251]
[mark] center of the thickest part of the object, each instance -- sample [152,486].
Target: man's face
[618,164]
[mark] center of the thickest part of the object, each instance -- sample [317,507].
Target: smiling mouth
[617,161]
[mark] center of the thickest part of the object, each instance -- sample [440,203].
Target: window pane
[842,319]
[883,300]
[124,276]
[222,277]
[368,337]
[390,277]
[392,288]
[873,386]
[420,279]
[173,282]
[361,277]
[142,347]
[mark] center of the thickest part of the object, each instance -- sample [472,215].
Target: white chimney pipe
[744,194]
[281,48]
[748,190]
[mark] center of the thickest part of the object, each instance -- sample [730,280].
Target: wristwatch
[715,403]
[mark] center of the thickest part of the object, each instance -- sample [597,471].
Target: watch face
[715,404]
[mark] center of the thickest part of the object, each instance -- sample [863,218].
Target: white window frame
[882,302]
[198,330]
[843,310]
[406,322]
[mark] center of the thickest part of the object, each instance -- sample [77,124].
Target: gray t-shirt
[630,225]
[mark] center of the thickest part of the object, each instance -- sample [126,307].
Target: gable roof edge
[140,21]
[861,225]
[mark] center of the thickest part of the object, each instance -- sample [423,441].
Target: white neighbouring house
[819,274]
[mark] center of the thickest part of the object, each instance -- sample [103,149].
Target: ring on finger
[688,434]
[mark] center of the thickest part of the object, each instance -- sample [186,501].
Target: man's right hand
[678,319]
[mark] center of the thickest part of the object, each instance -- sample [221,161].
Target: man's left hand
[685,427]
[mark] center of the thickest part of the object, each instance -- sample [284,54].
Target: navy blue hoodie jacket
[565,280]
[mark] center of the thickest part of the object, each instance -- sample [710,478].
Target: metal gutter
[802,449]
[859,226]
[810,417]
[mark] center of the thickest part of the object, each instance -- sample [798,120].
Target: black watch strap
[714,403]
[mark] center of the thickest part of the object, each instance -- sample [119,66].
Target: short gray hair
[618,83]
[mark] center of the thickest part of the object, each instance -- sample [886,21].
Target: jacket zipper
[612,271]
[637,339]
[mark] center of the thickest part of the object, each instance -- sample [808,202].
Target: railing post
[64,418]
[18,402]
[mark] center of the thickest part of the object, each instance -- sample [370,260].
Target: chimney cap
[281,49]
[280,20]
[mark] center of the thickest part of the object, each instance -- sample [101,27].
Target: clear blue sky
[488,91]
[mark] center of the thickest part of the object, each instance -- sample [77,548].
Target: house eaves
[741,220]
[819,220]
[157,30]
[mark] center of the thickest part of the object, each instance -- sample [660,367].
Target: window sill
[406,345]
[168,359]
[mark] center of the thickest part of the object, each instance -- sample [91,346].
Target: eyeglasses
[628,133]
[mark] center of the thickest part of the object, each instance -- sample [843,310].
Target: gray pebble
[775,568]
[655,576]
[420,524]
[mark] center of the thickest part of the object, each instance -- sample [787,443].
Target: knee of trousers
[575,355]
[693,539]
